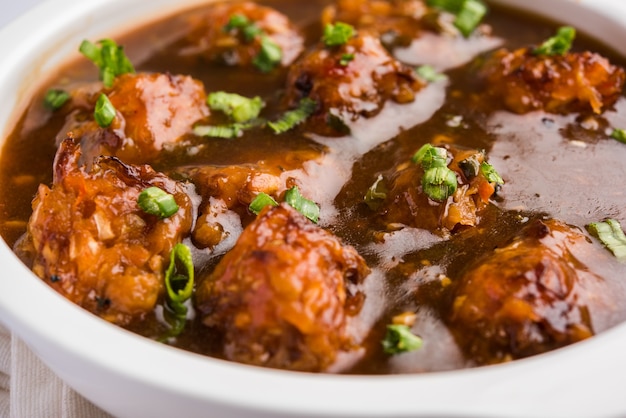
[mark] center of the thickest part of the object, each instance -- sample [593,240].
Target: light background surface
[11,9]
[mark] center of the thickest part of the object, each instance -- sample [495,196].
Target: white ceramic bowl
[128,375]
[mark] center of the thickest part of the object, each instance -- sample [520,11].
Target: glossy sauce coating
[409,256]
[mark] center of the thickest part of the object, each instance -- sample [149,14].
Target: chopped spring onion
[345,59]
[155,201]
[612,236]
[337,34]
[428,157]
[241,22]
[55,99]
[261,201]
[104,113]
[293,198]
[439,183]
[238,108]
[269,56]
[399,339]
[619,134]
[490,173]
[109,58]
[559,44]
[305,206]
[468,13]
[376,193]
[429,74]
[179,282]
[290,119]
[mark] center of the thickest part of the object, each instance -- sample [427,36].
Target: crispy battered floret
[574,82]
[523,299]
[212,37]
[399,21]
[94,245]
[349,81]
[153,111]
[279,297]
[407,204]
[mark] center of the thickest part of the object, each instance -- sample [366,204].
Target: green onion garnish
[269,56]
[230,131]
[179,282]
[241,22]
[104,113]
[337,34]
[238,108]
[55,99]
[290,119]
[400,339]
[109,58]
[619,134]
[490,173]
[468,13]
[376,193]
[155,201]
[610,233]
[428,157]
[345,59]
[429,74]
[305,206]
[439,183]
[559,44]
[261,201]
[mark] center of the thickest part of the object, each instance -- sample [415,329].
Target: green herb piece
[238,108]
[376,193]
[428,157]
[345,59]
[337,34]
[179,282]
[155,201]
[269,56]
[303,205]
[109,58]
[429,74]
[469,17]
[230,131]
[468,13]
[439,183]
[261,201]
[104,113]
[247,28]
[290,119]
[490,173]
[559,44]
[399,339]
[610,233]
[619,134]
[55,99]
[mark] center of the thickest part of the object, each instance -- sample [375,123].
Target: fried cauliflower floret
[211,35]
[94,245]
[399,20]
[349,81]
[279,297]
[526,298]
[407,204]
[153,111]
[574,82]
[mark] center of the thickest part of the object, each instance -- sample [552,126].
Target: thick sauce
[563,167]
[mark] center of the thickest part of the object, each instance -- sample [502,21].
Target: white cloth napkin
[29,389]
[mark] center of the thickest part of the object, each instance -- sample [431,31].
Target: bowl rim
[63,334]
